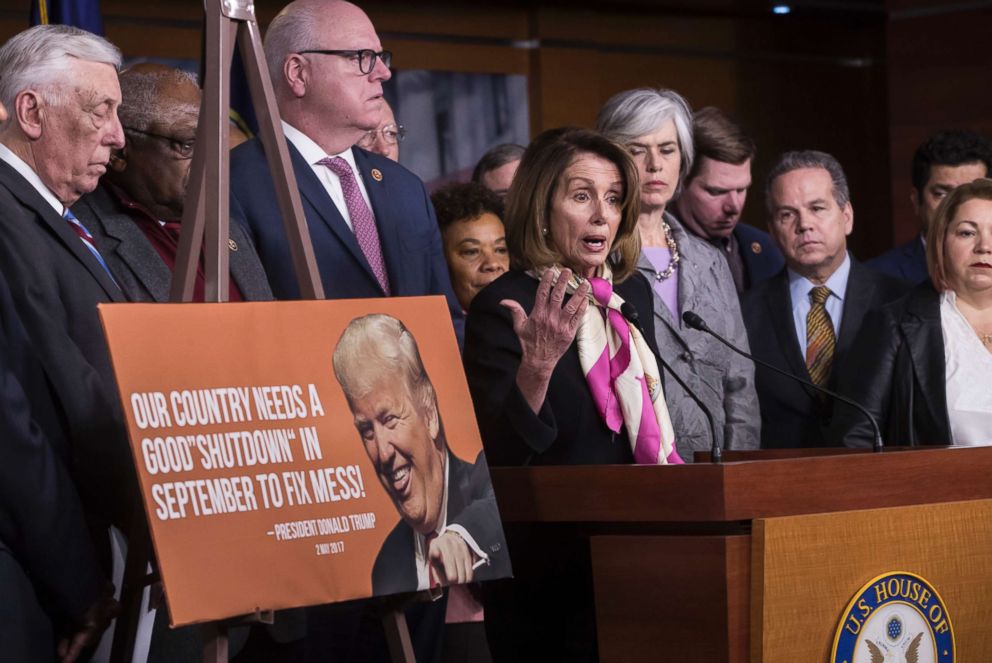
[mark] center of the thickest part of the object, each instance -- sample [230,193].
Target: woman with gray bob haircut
[687,274]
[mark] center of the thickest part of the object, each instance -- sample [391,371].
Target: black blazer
[41,522]
[471,504]
[138,267]
[901,377]
[568,430]
[907,262]
[793,415]
[56,284]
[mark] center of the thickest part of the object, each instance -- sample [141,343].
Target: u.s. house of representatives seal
[897,617]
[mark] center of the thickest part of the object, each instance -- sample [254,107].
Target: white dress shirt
[25,171]
[968,374]
[799,289]
[313,153]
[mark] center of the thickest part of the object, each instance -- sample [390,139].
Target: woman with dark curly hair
[471,220]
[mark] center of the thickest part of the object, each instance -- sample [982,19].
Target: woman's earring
[544,230]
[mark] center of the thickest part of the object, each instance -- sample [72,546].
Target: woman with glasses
[686,274]
[386,138]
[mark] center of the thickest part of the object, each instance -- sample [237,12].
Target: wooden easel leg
[398,636]
[215,651]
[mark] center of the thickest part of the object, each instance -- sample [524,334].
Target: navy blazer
[907,262]
[793,415]
[762,259]
[56,285]
[44,543]
[408,230]
[471,504]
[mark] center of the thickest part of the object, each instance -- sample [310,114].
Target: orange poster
[299,453]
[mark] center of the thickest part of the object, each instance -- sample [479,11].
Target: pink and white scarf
[623,374]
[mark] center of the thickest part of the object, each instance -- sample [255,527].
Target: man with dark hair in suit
[371,222]
[712,200]
[804,319]
[135,213]
[59,85]
[945,161]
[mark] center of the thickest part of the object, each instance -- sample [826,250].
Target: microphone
[697,322]
[716,450]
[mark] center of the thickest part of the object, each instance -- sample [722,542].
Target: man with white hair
[59,85]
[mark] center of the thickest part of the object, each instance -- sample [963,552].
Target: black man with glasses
[371,222]
[135,213]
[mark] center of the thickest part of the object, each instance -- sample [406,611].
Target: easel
[230,22]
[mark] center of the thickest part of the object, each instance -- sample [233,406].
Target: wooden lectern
[767,547]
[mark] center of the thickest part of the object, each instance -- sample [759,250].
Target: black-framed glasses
[182,148]
[391,134]
[365,57]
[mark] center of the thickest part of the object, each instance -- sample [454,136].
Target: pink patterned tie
[362,220]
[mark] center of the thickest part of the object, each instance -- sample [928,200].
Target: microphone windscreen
[694,321]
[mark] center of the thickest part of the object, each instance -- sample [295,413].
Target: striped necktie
[84,234]
[820,339]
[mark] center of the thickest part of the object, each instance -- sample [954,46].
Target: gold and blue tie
[820,339]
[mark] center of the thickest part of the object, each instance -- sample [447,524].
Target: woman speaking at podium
[927,357]
[561,361]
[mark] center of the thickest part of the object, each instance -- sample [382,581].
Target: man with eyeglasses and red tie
[135,213]
[371,223]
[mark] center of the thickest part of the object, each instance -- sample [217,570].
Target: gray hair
[497,157]
[36,58]
[291,31]
[141,100]
[798,159]
[633,113]
[376,345]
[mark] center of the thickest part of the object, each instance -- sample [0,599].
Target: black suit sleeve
[479,515]
[40,515]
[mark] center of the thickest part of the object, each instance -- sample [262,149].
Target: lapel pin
[755,247]
[232,244]
[377,174]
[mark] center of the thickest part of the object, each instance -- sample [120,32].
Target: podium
[755,559]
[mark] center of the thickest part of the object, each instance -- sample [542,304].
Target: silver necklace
[673,247]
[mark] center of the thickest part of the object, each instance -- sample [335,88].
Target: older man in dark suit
[60,87]
[135,213]
[804,319]
[371,222]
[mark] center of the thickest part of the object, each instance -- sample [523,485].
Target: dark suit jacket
[56,284]
[49,573]
[793,415]
[901,377]
[907,262]
[568,430]
[408,230]
[136,264]
[471,504]
[762,259]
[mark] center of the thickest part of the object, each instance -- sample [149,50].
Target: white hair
[36,58]
[633,113]
[142,102]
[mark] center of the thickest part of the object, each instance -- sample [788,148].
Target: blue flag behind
[83,14]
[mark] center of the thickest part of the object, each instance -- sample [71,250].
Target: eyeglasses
[391,134]
[365,57]
[182,148]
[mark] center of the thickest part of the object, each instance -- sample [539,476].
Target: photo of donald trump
[449,531]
